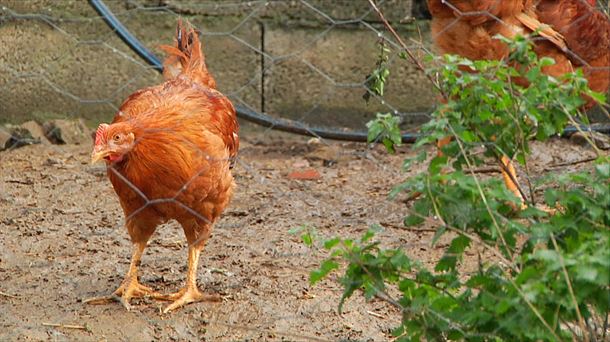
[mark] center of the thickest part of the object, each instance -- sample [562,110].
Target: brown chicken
[573,33]
[168,152]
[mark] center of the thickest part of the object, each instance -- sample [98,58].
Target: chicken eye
[116,137]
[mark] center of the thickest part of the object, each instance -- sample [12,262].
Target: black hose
[125,35]
[604,129]
[263,119]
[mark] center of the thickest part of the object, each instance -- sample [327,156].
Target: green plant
[545,277]
[376,80]
[385,128]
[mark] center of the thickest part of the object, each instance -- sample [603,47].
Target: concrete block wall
[304,60]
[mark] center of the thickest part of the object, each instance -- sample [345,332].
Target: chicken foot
[190,293]
[510,177]
[508,173]
[130,287]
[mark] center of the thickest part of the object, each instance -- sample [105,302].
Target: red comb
[100,134]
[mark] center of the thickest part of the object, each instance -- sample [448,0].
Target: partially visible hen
[587,35]
[169,151]
[573,33]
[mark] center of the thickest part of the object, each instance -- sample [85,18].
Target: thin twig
[384,296]
[529,183]
[486,246]
[17,181]
[483,197]
[374,314]
[522,140]
[605,328]
[578,127]
[569,326]
[510,279]
[390,225]
[415,61]
[483,170]
[576,162]
[66,326]
[4,294]
[581,321]
[533,308]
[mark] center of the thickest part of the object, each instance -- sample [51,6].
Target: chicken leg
[510,177]
[508,172]
[190,293]
[130,287]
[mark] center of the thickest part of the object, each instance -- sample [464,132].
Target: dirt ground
[62,240]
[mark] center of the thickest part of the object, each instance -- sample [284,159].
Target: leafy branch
[548,275]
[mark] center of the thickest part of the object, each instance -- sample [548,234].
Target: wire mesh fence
[264,60]
[299,63]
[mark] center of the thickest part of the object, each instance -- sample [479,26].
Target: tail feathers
[186,57]
[546,31]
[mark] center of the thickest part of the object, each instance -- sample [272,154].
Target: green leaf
[413,220]
[550,197]
[296,230]
[586,273]
[389,145]
[385,129]
[329,244]
[468,136]
[437,164]
[503,306]
[370,233]
[437,235]
[459,244]
[307,239]
[326,267]
[446,263]
[375,130]
[420,157]
[603,170]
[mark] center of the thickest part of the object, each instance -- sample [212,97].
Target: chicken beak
[96,156]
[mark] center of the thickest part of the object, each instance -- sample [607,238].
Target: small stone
[329,155]
[5,136]
[51,161]
[600,140]
[314,141]
[19,137]
[67,131]
[36,131]
[309,174]
[300,164]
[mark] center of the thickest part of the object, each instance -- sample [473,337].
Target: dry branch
[66,326]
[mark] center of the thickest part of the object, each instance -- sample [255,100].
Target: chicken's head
[112,143]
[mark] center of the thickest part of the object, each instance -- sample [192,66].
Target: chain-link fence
[298,65]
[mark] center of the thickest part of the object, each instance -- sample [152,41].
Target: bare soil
[62,240]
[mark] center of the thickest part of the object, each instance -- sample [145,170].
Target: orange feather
[577,35]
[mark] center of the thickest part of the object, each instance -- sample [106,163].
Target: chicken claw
[190,293]
[185,296]
[129,289]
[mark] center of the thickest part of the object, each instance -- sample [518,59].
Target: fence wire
[295,62]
